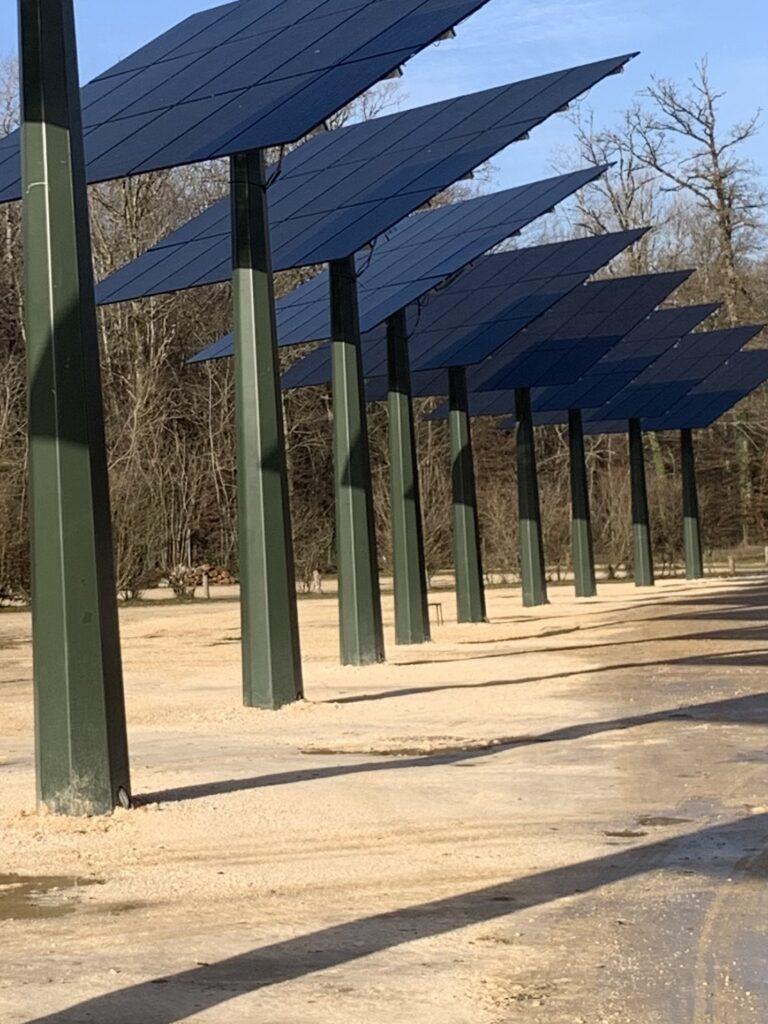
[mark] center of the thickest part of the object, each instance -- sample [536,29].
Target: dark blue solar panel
[417,255]
[714,397]
[570,338]
[340,190]
[486,306]
[242,76]
[650,340]
[673,375]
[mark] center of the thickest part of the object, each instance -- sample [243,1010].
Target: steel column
[581,518]
[82,751]
[694,562]
[362,637]
[272,674]
[411,601]
[641,526]
[532,566]
[470,587]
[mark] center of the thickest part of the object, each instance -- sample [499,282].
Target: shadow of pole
[715,851]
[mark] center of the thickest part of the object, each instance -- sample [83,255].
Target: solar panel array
[573,335]
[672,376]
[416,256]
[618,367]
[716,395]
[650,340]
[489,303]
[242,76]
[340,190]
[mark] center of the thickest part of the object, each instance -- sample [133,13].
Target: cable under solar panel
[242,76]
[340,190]
[491,302]
[415,256]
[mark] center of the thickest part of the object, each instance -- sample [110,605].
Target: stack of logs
[217,576]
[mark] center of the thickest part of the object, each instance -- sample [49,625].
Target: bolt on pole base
[694,560]
[272,671]
[81,743]
[362,635]
[581,518]
[412,624]
[532,564]
[470,586]
[641,523]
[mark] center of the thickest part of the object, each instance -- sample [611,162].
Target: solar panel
[337,192]
[618,367]
[715,396]
[702,402]
[488,303]
[672,376]
[650,340]
[242,76]
[415,256]
[571,337]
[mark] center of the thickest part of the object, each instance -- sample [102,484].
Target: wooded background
[170,426]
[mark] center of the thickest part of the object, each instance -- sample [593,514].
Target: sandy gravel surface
[561,816]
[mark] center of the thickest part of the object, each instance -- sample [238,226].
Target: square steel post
[411,600]
[532,565]
[272,673]
[641,525]
[362,635]
[581,518]
[82,750]
[694,562]
[470,587]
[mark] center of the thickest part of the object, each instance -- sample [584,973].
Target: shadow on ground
[734,851]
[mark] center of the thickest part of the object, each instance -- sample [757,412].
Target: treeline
[170,426]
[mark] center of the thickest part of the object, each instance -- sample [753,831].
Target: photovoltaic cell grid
[610,375]
[242,76]
[672,376]
[415,256]
[491,301]
[561,346]
[648,342]
[340,190]
[715,396]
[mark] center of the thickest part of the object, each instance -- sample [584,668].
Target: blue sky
[509,40]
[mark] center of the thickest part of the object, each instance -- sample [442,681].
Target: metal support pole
[581,519]
[362,636]
[470,588]
[641,526]
[82,750]
[532,565]
[272,675]
[411,601]
[694,562]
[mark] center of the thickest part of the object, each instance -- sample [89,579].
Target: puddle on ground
[662,822]
[625,833]
[23,898]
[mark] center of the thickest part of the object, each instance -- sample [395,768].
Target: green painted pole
[694,561]
[641,525]
[581,518]
[82,750]
[532,564]
[362,636]
[470,587]
[411,600]
[272,675]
